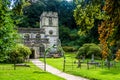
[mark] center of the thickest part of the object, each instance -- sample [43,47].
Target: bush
[89,49]
[69,49]
[19,53]
[80,52]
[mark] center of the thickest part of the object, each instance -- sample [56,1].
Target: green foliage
[81,51]
[94,49]
[70,37]
[113,10]
[64,33]
[32,13]
[89,49]
[69,49]
[19,5]
[85,16]
[19,53]
[65,11]
[8,34]
[17,9]
[15,56]
[24,50]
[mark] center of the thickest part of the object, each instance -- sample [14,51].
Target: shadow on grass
[39,72]
[111,71]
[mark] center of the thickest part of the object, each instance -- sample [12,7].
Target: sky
[68,0]
[12,2]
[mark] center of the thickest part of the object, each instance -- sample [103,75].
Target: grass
[7,72]
[94,73]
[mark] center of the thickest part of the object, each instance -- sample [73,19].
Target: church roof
[31,30]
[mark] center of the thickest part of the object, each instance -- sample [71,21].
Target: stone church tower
[49,22]
[39,39]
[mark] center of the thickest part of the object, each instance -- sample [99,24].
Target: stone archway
[32,56]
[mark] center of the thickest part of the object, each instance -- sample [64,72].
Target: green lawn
[25,73]
[94,73]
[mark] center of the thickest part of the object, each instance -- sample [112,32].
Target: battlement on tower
[49,14]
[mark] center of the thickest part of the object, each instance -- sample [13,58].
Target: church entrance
[32,56]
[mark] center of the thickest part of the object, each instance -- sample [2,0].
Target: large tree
[32,14]
[8,32]
[106,13]
[7,29]
[17,9]
[88,15]
[109,28]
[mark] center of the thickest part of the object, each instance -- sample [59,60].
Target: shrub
[19,53]
[24,50]
[80,52]
[69,49]
[89,49]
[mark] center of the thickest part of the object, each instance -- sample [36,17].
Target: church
[39,39]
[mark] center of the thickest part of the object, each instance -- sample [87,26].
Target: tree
[86,14]
[108,29]
[8,34]
[89,49]
[8,30]
[18,5]
[32,14]
[117,55]
[65,11]
[106,13]
[64,34]
[17,9]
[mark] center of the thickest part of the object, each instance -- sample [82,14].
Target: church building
[39,39]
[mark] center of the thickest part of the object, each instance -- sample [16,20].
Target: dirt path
[56,71]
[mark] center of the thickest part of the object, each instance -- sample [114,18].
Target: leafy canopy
[89,49]
[86,13]
[8,34]
[19,53]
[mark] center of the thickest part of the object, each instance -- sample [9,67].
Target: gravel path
[56,71]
